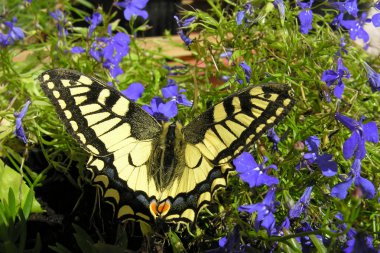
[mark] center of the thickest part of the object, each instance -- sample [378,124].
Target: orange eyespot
[161,210]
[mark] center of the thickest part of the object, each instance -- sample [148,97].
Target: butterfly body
[147,170]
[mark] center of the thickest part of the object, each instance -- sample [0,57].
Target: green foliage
[275,50]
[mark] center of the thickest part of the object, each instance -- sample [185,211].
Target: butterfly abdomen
[166,162]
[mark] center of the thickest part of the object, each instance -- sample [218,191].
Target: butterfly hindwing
[226,129]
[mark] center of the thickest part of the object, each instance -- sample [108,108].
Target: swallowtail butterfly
[148,170]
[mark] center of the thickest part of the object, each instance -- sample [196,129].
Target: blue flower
[366,187]
[349,6]
[171,91]
[265,211]
[59,16]
[14,33]
[306,16]
[279,4]
[181,32]
[324,161]
[330,77]
[77,50]
[160,110]
[301,205]
[376,20]
[273,137]
[134,91]
[373,78]
[94,21]
[19,131]
[230,243]
[133,8]
[355,27]
[247,71]
[252,173]
[360,242]
[111,50]
[241,15]
[306,242]
[360,134]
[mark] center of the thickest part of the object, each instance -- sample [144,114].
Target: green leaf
[176,243]
[11,180]
[318,244]
[83,240]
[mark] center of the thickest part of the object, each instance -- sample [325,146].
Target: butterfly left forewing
[226,129]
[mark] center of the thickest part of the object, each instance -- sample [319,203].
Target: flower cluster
[111,50]
[164,111]
[355,146]
[324,161]
[14,33]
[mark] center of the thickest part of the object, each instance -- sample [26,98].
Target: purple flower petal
[376,20]
[77,50]
[134,91]
[340,190]
[366,186]
[327,165]
[19,131]
[373,78]
[371,132]
[350,145]
[306,20]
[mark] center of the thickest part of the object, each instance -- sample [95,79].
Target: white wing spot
[74,125]
[62,103]
[92,149]
[65,83]
[259,128]
[81,138]
[279,111]
[85,80]
[46,77]
[50,85]
[78,90]
[121,107]
[219,112]
[68,114]
[103,95]
[56,94]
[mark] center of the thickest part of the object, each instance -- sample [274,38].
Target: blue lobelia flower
[77,50]
[360,134]
[279,4]
[111,50]
[355,28]
[133,8]
[273,137]
[360,242]
[242,15]
[19,131]
[348,6]
[61,19]
[94,21]
[230,243]
[373,78]
[306,16]
[324,161]
[14,33]
[306,242]
[265,211]
[331,77]
[247,71]
[134,91]
[160,110]
[171,91]
[366,187]
[301,205]
[252,173]
[376,20]
[180,31]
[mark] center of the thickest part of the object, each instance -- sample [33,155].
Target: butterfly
[148,170]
